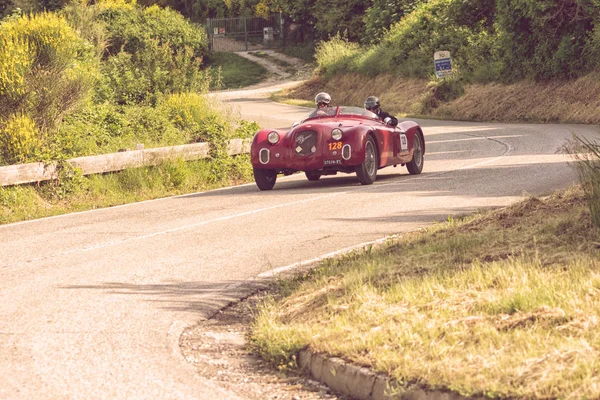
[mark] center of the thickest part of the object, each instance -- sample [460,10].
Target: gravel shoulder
[217,348]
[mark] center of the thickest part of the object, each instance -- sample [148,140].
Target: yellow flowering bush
[19,139]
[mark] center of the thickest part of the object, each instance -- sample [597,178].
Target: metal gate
[245,33]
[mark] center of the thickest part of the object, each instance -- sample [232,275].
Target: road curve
[92,303]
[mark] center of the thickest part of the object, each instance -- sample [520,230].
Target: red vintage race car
[337,139]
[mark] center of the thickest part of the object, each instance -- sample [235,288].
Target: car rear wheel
[415,166]
[367,171]
[265,178]
[313,175]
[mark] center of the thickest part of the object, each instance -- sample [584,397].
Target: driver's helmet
[322,99]
[372,104]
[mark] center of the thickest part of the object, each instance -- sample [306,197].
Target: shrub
[151,52]
[189,112]
[463,27]
[441,91]
[19,139]
[46,71]
[456,26]
[384,13]
[544,39]
[130,29]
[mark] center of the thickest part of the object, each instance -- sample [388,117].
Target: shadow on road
[197,297]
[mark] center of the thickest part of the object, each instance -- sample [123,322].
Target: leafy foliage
[545,38]
[384,13]
[151,52]
[490,40]
[46,71]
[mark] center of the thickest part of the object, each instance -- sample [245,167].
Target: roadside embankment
[502,304]
[574,101]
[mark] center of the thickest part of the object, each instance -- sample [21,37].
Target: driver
[323,100]
[372,104]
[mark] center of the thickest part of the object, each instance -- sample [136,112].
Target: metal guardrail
[39,171]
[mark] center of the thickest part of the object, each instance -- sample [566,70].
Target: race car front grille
[264,156]
[306,143]
[346,152]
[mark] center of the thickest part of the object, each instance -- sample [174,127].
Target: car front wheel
[367,171]
[415,166]
[265,178]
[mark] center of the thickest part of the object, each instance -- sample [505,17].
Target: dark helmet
[372,103]
[323,98]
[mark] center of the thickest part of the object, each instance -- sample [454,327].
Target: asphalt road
[92,304]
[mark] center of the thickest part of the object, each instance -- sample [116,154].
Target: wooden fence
[39,171]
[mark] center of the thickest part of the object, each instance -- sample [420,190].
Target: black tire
[415,166]
[313,175]
[265,178]
[367,171]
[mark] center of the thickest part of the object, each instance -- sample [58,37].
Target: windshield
[323,112]
[357,111]
[343,110]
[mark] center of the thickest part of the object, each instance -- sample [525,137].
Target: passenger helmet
[323,99]
[372,103]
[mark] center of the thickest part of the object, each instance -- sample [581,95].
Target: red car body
[336,139]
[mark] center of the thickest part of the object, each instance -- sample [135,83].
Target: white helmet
[323,98]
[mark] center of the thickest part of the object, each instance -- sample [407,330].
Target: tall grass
[587,153]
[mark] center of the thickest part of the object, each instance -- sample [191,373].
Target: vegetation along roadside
[93,78]
[513,60]
[502,304]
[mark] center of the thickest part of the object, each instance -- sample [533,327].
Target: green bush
[108,128]
[189,113]
[463,27]
[131,29]
[441,91]
[545,39]
[383,14]
[345,18]
[457,26]
[152,52]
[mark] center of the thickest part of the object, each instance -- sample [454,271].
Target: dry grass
[352,89]
[501,304]
[576,101]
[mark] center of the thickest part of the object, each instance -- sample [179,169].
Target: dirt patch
[217,348]
[298,69]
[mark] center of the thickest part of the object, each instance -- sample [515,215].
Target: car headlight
[273,137]
[336,134]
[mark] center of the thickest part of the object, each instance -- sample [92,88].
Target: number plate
[335,146]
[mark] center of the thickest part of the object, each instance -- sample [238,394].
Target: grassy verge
[501,304]
[78,193]
[281,97]
[230,71]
